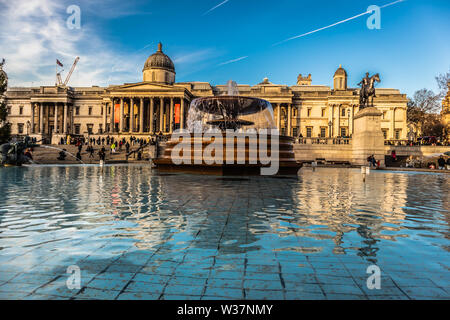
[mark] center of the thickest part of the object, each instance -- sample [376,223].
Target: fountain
[229,135]
[12,153]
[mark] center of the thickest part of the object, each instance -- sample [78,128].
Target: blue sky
[233,41]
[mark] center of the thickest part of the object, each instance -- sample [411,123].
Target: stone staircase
[48,154]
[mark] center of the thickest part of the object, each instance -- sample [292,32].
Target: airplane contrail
[231,61]
[214,8]
[335,24]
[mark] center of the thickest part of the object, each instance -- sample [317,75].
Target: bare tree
[442,82]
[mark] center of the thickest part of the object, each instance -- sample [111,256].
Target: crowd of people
[112,143]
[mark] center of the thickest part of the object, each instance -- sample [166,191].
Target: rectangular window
[90,111]
[343,132]
[77,128]
[343,112]
[323,113]
[294,131]
[20,128]
[323,132]
[9,110]
[309,112]
[397,134]
[77,111]
[385,134]
[101,111]
[309,132]
[21,110]
[100,128]
[90,128]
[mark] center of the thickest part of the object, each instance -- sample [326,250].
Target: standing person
[120,145]
[441,163]
[78,156]
[113,148]
[394,155]
[91,152]
[374,161]
[127,147]
[369,160]
[102,154]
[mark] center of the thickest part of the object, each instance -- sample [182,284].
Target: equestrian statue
[367,90]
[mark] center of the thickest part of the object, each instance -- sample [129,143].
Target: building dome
[159,60]
[159,68]
[340,71]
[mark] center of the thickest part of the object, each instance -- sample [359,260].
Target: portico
[145,108]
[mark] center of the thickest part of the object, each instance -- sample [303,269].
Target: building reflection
[327,211]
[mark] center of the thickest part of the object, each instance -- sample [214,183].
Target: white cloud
[33,34]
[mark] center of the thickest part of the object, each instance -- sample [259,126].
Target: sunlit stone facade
[159,104]
[446,113]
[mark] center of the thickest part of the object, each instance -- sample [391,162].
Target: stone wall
[344,153]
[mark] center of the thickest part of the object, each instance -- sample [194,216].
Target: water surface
[135,233]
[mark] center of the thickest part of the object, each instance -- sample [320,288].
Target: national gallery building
[159,104]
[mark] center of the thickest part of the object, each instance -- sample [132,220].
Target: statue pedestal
[368,138]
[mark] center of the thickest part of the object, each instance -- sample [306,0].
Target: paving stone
[107,284]
[138,296]
[176,289]
[262,285]
[97,294]
[254,294]
[228,293]
[144,287]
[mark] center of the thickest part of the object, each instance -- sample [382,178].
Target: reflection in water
[80,210]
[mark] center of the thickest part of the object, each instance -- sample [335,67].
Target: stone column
[152,111]
[105,116]
[32,117]
[121,119]
[41,118]
[330,119]
[279,116]
[72,129]
[131,113]
[338,127]
[161,114]
[392,129]
[141,116]
[289,110]
[182,114]
[56,118]
[112,115]
[65,118]
[171,116]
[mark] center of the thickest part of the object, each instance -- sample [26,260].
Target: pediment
[145,86]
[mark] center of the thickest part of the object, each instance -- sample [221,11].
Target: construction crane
[71,71]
